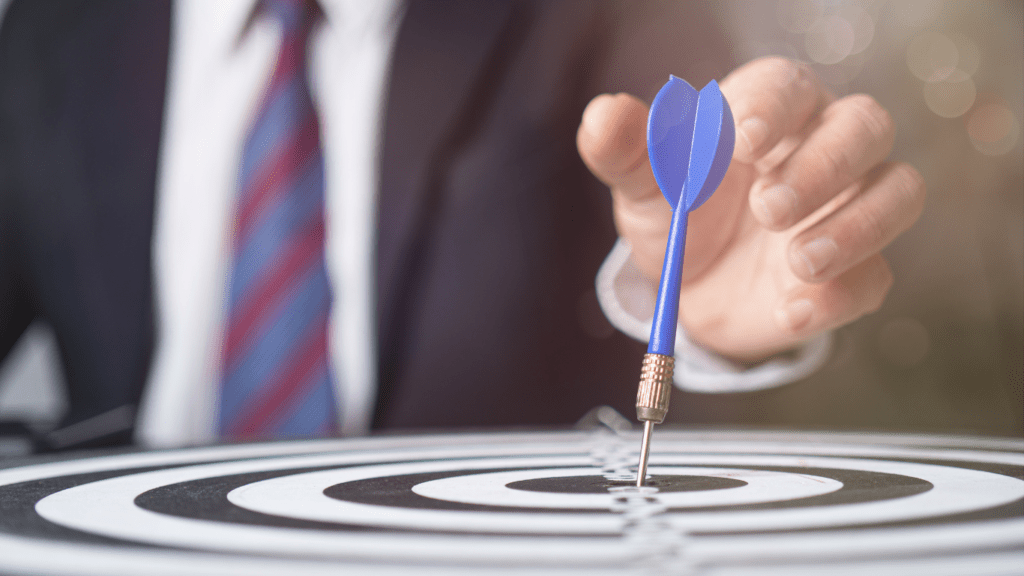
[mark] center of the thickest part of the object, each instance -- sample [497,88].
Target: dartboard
[526,502]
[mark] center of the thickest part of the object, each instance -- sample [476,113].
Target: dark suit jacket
[490,228]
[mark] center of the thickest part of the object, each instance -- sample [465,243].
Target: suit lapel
[447,58]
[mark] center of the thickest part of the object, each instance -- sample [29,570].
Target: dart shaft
[666,308]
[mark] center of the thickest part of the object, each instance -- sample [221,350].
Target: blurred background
[946,351]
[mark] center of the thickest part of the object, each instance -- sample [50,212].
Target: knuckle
[837,163]
[785,70]
[875,119]
[775,60]
[775,89]
[803,73]
[781,72]
[775,64]
[872,224]
[910,184]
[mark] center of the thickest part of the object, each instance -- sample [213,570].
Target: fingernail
[816,255]
[778,205]
[754,132]
[795,315]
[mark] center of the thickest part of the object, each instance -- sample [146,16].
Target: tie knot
[296,16]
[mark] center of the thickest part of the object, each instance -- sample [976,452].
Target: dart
[690,138]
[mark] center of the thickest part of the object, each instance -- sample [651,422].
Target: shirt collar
[361,15]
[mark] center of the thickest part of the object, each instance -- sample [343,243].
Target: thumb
[612,142]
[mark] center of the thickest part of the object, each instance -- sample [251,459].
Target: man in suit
[489,228]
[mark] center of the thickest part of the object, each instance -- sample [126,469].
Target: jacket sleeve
[15,310]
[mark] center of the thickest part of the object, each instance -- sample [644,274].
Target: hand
[788,247]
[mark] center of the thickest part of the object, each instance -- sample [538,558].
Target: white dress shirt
[218,69]
[220,62]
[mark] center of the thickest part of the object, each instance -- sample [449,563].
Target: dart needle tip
[645,446]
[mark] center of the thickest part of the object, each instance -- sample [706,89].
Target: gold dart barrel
[655,387]
[652,402]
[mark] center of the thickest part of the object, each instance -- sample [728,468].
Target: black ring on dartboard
[18,514]
[206,499]
[396,491]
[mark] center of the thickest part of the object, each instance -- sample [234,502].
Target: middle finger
[854,135]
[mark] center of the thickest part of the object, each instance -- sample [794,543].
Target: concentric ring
[493,489]
[466,504]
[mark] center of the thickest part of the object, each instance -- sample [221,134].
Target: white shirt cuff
[627,299]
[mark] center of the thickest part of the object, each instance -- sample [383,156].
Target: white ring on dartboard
[955,490]
[107,507]
[492,489]
[904,548]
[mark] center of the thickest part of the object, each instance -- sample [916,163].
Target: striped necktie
[276,381]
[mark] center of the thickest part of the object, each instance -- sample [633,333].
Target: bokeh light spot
[839,75]
[932,57]
[798,15]
[829,40]
[993,129]
[863,27]
[950,99]
[968,57]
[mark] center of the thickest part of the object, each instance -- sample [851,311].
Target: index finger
[770,98]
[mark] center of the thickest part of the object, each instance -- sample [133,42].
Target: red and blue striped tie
[276,380]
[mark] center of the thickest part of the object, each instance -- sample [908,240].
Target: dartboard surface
[560,503]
